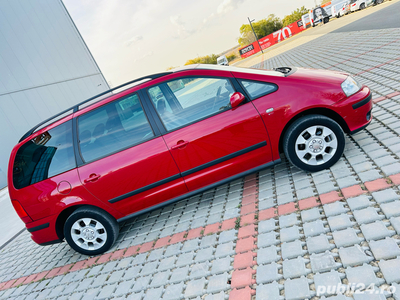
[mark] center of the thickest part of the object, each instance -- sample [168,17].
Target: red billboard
[272,39]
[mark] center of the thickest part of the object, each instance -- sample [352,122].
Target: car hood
[327,76]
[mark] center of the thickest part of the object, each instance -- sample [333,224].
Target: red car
[172,135]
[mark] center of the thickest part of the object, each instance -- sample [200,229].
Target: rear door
[208,139]
[124,161]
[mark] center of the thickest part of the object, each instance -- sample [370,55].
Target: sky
[133,38]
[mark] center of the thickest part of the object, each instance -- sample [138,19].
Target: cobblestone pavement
[277,234]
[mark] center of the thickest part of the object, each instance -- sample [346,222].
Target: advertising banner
[272,39]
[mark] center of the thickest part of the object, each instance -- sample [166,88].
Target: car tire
[314,143]
[90,230]
[362,6]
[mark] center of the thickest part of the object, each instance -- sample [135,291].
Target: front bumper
[356,110]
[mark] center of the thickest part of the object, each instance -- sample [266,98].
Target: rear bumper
[43,231]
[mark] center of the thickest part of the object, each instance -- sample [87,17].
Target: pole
[255,34]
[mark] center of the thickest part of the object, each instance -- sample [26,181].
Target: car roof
[141,80]
[228,68]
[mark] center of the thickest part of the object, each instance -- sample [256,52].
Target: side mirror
[236,99]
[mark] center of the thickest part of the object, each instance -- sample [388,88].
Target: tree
[262,28]
[294,16]
[208,59]
[324,1]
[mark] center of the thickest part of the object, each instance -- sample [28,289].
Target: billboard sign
[272,39]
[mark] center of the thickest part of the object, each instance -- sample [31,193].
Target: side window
[47,155]
[112,128]
[184,101]
[257,89]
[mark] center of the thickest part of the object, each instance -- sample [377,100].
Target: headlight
[350,86]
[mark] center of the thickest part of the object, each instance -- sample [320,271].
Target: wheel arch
[314,111]
[63,216]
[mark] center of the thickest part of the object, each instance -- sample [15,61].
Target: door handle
[92,177]
[180,144]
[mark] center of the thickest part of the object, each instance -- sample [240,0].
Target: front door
[208,139]
[125,162]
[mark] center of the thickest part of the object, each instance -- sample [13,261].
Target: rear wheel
[362,6]
[90,230]
[314,143]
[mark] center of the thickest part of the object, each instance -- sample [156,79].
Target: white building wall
[45,67]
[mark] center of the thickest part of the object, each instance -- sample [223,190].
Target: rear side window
[47,155]
[112,128]
[256,89]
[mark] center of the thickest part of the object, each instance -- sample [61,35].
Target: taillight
[21,211]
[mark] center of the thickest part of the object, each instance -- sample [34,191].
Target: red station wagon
[172,135]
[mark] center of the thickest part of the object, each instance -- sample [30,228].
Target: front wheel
[90,230]
[314,143]
[362,6]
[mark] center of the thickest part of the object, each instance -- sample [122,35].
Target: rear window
[45,156]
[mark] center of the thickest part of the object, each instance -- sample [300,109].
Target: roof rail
[75,108]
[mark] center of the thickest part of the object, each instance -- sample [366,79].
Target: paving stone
[348,181]
[149,268]
[391,209]
[310,214]
[295,268]
[265,226]
[268,255]
[335,208]
[174,292]
[107,291]
[289,250]
[367,215]
[155,255]
[297,289]
[325,280]
[218,283]
[391,169]
[179,274]
[314,228]
[340,222]
[225,249]
[160,278]
[173,249]
[139,259]
[285,198]
[200,270]
[268,291]
[221,265]
[267,239]
[195,288]
[353,256]
[152,294]
[288,220]
[289,234]
[369,175]
[268,273]
[396,294]
[305,193]
[376,231]
[364,274]
[266,203]
[371,295]
[390,270]
[347,237]
[190,245]
[141,283]
[359,202]
[395,223]
[204,254]
[385,196]
[326,187]
[385,249]
[318,244]
[227,236]
[124,287]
